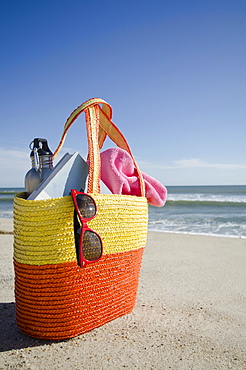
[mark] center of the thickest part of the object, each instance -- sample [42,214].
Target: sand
[190,313]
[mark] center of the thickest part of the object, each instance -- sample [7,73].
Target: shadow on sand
[11,337]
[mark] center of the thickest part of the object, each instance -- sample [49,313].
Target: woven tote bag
[55,298]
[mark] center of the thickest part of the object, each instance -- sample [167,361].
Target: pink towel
[119,174]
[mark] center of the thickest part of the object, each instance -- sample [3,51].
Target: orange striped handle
[99,124]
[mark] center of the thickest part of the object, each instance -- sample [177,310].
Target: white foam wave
[207,198]
[199,226]
[6,214]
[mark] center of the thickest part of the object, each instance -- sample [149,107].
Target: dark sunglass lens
[92,246]
[86,205]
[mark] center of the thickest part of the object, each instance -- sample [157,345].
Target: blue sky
[173,71]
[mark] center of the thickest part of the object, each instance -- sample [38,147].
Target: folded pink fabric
[119,174]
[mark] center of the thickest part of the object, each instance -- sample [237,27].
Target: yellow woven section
[43,229]
[122,222]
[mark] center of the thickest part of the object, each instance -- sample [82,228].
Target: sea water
[204,210]
[6,201]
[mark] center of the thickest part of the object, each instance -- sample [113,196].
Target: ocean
[6,201]
[202,210]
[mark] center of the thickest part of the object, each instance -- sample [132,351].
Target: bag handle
[98,124]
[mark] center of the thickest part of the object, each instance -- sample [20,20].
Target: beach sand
[190,313]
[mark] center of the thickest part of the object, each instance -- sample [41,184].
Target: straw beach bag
[56,298]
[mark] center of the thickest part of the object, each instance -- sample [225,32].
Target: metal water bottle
[45,159]
[42,164]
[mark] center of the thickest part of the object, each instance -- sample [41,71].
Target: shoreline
[6,227]
[190,313]
[197,234]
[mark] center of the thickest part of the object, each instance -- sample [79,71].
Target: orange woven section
[61,301]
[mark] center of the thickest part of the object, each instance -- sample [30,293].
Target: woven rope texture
[44,231]
[61,301]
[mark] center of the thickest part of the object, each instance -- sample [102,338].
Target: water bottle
[45,159]
[42,164]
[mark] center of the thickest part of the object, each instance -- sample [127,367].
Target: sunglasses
[88,243]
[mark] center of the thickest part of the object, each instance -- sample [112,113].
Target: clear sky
[173,71]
